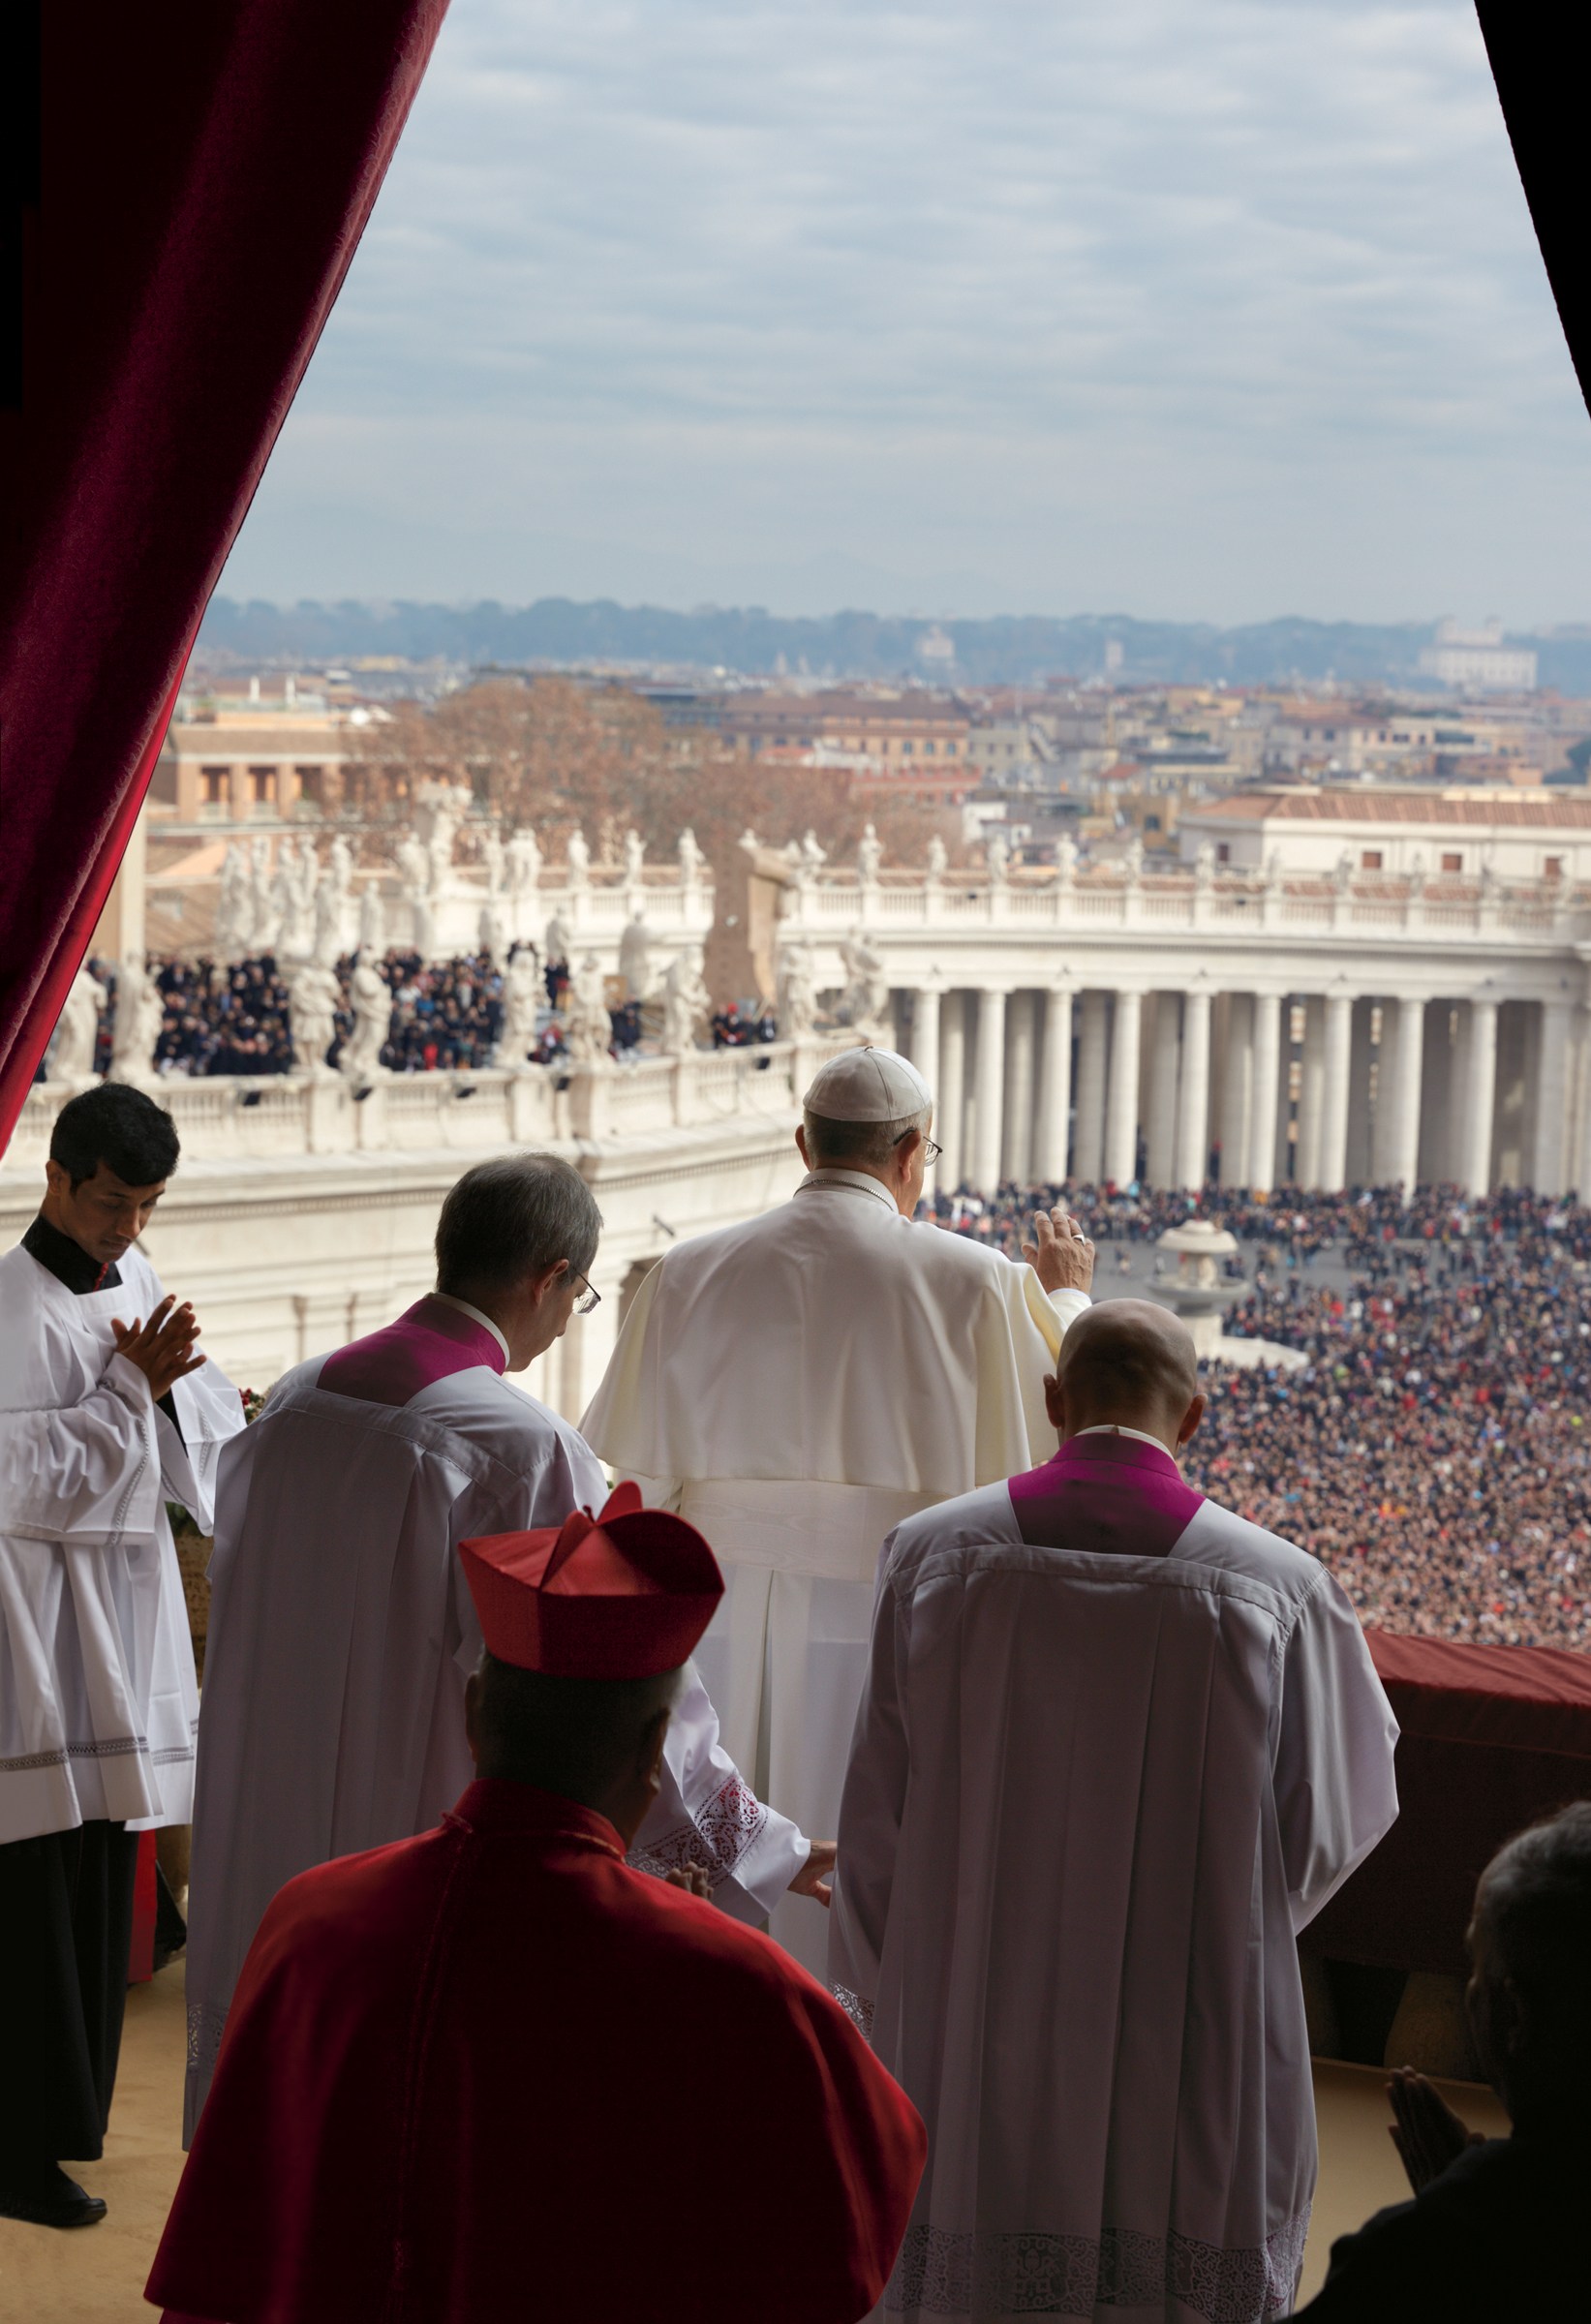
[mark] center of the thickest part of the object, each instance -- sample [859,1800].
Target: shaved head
[1130,1362]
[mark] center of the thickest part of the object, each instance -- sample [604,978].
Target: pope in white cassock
[107,1412]
[796,1385]
[342,1631]
[1117,1747]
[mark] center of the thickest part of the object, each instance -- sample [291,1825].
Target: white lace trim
[984,2276]
[858,2009]
[719,1836]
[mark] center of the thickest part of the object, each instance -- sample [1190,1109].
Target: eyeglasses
[932,1149]
[584,1306]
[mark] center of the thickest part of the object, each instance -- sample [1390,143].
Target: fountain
[1196,1290]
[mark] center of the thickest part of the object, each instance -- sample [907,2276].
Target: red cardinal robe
[491,2072]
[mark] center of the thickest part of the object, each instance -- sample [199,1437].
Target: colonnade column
[1164,1046]
[1090,1091]
[1121,1113]
[1400,1096]
[1480,1097]
[1334,1122]
[1237,1090]
[1053,1120]
[989,1107]
[925,1055]
[1551,1097]
[950,1114]
[1311,1090]
[1262,1125]
[1017,1142]
[1193,1110]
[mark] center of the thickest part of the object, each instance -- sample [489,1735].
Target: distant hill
[751,642]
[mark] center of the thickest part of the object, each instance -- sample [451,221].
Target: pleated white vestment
[795,1387]
[342,1633]
[98,1701]
[1115,1748]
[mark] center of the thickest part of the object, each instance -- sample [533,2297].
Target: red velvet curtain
[184,189]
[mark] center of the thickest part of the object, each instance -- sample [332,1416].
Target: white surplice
[796,1385]
[98,1700]
[1091,1799]
[342,1633]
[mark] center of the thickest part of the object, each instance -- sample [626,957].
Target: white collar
[475,1317]
[1139,1435]
[848,1181]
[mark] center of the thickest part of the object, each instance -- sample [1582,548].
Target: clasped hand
[162,1348]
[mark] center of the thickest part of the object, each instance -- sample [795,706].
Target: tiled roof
[1563,811]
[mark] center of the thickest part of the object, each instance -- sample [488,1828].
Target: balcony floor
[96,2274]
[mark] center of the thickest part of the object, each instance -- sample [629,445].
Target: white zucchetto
[868,1084]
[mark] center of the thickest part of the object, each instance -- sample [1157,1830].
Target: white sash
[799,1526]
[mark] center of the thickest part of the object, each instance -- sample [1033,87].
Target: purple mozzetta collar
[1108,1493]
[429,1343]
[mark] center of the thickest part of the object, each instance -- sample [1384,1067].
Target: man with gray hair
[342,1634]
[798,1385]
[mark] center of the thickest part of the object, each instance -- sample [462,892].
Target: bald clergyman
[798,1385]
[1117,1746]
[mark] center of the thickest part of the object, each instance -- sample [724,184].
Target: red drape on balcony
[184,189]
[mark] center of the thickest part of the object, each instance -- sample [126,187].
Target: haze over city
[1213,314]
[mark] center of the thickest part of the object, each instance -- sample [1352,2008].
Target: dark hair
[570,1735]
[515,1217]
[120,1126]
[1535,1898]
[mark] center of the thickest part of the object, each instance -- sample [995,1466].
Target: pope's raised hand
[162,1348]
[1060,1255]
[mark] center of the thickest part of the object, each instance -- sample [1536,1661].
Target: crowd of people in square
[1447,1387]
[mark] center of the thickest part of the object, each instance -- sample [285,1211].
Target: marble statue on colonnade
[812,856]
[997,854]
[635,958]
[559,940]
[262,917]
[235,907]
[524,863]
[588,1029]
[414,865]
[690,859]
[328,922]
[687,1002]
[796,1001]
[1132,860]
[491,932]
[372,918]
[938,859]
[441,807]
[634,857]
[140,1012]
[1065,859]
[523,995]
[341,865]
[493,857]
[579,859]
[313,998]
[1204,865]
[77,1030]
[371,1003]
[870,854]
[865,1002]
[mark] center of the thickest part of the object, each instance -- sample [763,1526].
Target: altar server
[798,1385]
[1117,1747]
[493,2072]
[341,1633]
[107,1412]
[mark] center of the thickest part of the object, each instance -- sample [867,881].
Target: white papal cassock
[1117,1747]
[795,1387]
[342,1633]
[98,1702]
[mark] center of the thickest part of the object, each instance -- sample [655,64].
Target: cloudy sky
[1197,308]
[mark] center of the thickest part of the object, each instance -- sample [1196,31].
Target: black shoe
[45,2197]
